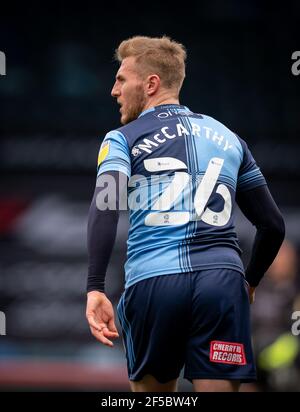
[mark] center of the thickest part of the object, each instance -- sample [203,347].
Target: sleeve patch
[103,152]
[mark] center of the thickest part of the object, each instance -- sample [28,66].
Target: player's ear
[153,83]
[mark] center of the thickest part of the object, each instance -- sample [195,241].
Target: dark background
[55,109]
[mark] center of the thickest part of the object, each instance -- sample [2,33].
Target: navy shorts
[197,320]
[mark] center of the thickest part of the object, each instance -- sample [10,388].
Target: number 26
[176,187]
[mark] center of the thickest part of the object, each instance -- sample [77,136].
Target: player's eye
[121,79]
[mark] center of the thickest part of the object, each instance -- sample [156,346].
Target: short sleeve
[250,175]
[114,154]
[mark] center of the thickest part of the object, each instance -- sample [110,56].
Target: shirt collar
[164,107]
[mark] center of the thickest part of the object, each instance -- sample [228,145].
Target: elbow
[281,227]
[277,228]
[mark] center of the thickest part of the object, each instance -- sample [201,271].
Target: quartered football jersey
[184,170]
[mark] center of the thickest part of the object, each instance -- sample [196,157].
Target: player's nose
[114,91]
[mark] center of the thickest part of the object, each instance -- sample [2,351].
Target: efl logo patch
[103,152]
[231,353]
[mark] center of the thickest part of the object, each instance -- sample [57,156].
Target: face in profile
[129,91]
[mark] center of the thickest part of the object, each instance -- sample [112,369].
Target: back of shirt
[184,170]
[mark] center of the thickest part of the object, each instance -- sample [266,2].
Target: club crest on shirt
[103,152]
[135,151]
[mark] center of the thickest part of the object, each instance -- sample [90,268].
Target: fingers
[101,338]
[109,333]
[101,331]
[103,335]
[112,326]
[109,329]
[93,323]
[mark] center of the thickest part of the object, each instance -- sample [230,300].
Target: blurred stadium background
[55,110]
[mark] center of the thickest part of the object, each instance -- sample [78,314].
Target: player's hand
[100,316]
[251,294]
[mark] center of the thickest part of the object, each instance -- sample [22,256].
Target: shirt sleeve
[114,154]
[250,175]
[261,210]
[102,227]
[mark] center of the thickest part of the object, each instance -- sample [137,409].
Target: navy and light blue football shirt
[184,170]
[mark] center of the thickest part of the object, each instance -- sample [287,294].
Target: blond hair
[156,55]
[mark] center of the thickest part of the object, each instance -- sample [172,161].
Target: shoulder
[115,136]
[127,135]
[218,125]
[225,131]
[136,128]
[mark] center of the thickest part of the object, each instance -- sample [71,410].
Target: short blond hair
[156,55]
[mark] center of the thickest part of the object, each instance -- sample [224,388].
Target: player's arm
[110,195]
[110,192]
[260,209]
[258,205]
[101,233]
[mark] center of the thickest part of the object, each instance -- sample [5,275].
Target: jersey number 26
[164,217]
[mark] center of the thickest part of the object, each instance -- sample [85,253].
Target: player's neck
[161,100]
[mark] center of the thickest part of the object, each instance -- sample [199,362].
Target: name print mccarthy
[160,138]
